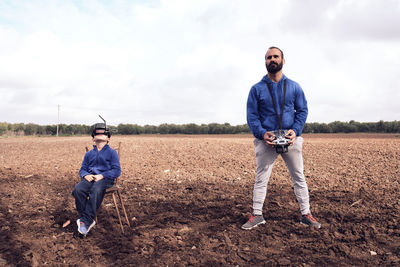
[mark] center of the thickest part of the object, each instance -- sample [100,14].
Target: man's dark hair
[274,47]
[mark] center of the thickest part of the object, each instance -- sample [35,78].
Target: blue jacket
[260,109]
[105,162]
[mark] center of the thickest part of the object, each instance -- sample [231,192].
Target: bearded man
[277,105]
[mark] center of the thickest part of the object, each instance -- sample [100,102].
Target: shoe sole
[91,226]
[263,222]
[308,225]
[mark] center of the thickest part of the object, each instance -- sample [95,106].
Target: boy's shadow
[12,251]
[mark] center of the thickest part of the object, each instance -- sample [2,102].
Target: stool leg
[116,208]
[123,209]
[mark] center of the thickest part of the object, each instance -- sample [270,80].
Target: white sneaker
[82,227]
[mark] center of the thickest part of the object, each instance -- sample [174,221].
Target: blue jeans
[88,198]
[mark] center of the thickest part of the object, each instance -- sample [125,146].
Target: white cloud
[181,61]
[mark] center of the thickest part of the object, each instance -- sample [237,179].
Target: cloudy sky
[183,61]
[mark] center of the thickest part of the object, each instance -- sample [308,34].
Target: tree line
[192,128]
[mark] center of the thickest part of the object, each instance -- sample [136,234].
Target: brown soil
[187,197]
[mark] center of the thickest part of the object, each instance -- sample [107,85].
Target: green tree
[30,129]
[51,129]
[380,126]
[307,128]
[214,128]
[191,128]
[163,128]
[150,129]
[204,129]
[41,130]
[3,127]
[19,128]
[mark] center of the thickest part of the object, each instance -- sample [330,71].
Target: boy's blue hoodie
[260,109]
[105,162]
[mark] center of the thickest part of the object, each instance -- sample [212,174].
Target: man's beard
[274,67]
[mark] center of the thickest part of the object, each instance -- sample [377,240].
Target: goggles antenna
[105,124]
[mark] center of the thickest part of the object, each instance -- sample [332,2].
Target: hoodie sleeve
[84,170]
[115,170]
[253,117]
[301,113]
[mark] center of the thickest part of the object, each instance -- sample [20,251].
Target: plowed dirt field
[187,196]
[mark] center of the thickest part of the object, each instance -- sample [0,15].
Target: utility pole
[58,118]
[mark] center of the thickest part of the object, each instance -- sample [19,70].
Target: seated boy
[99,169]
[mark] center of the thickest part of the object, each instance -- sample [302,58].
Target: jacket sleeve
[115,170]
[301,108]
[253,117]
[84,170]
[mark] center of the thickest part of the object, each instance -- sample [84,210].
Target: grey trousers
[265,157]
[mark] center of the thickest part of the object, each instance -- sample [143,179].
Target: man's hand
[268,138]
[292,136]
[97,177]
[89,177]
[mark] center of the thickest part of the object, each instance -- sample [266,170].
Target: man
[100,168]
[277,103]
